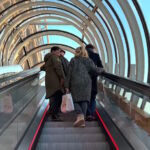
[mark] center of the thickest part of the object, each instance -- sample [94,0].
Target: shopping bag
[67,103]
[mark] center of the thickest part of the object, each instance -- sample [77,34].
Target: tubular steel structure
[118,30]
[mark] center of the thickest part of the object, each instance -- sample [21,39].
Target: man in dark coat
[54,80]
[64,61]
[97,61]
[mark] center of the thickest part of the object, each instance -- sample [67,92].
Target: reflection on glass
[18,106]
[147,108]
[121,92]
[139,102]
[6,103]
[128,95]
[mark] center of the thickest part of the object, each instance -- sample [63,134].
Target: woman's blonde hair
[80,51]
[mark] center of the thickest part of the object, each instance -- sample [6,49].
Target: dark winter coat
[97,61]
[54,73]
[65,64]
[78,78]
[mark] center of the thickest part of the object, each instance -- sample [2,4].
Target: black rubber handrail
[136,86]
[11,85]
[20,74]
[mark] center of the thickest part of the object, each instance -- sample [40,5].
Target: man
[64,61]
[54,80]
[97,61]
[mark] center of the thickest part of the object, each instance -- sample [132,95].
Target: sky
[144,5]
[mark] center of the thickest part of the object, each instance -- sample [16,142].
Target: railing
[16,77]
[133,97]
[19,103]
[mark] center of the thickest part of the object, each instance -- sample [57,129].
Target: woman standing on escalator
[78,82]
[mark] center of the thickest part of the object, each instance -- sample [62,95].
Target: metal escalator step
[73,146]
[72,138]
[71,130]
[68,124]
[66,117]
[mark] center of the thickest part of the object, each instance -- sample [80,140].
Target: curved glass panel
[124,21]
[84,3]
[91,2]
[71,6]
[96,41]
[86,41]
[55,15]
[110,40]
[66,12]
[122,37]
[144,4]
[10,69]
[63,40]
[69,55]
[45,39]
[67,28]
[44,52]
[145,59]
[103,45]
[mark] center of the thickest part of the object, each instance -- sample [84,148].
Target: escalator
[28,126]
[63,136]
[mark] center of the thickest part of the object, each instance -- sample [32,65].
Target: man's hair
[62,51]
[89,46]
[55,48]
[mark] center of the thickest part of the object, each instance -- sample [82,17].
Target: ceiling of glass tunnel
[118,29]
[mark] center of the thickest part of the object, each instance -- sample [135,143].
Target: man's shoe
[89,118]
[56,118]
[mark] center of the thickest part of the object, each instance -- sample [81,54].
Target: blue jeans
[92,105]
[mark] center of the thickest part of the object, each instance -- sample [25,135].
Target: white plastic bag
[67,103]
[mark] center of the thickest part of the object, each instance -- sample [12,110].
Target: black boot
[56,117]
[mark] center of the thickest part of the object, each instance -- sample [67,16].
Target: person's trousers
[92,105]
[81,107]
[55,102]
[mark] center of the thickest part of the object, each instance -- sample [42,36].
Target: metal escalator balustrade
[62,135]
[19,102]
[128,104]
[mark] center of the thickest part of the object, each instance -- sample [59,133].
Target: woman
[78,82]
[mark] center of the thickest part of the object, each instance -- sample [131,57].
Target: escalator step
[72,138]
[73,146]
[69,124]
[71,130]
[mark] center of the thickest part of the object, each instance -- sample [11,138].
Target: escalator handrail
[130,84]
[26,72]
[11,85]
